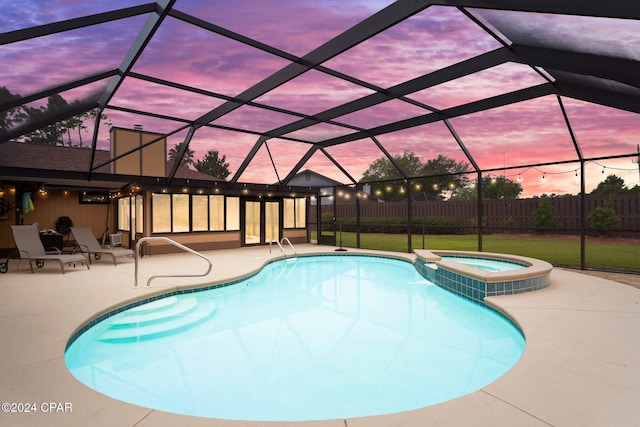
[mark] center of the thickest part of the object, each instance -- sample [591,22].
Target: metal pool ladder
[176,244]
[284,239]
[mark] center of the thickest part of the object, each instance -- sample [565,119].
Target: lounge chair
[89,244]
[30,247]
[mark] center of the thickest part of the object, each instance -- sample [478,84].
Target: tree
[500,188]
[187,159]
[611,185]
[433,177]
[53,134]
[12,116]
[492,188]
[214,165]
[445,174]
[382,169]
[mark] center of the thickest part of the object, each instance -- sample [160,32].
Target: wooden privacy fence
[516,212]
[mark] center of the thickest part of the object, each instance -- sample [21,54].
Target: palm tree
[187,159]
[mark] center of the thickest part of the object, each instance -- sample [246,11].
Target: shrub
[508,224]
[603,220]
[543,217]
[398,225]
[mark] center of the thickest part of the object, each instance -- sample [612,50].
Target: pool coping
[569,373]
[535,267]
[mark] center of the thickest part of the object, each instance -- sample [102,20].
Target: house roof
[309,178]
[36,162]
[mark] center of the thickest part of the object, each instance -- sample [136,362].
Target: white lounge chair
[30,247]
[89,244]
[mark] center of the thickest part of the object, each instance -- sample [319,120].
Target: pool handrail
[295,253]
[176,244]
[286,239]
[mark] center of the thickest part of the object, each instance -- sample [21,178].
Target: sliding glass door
[261,222]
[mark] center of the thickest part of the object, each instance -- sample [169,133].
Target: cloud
[528,132]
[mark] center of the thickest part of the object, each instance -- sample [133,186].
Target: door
[252,223]
[271,221]
[261,222]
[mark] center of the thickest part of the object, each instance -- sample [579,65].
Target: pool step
[171,318]
[161,313]
[154,305]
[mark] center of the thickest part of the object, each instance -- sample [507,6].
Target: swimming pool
[309,338]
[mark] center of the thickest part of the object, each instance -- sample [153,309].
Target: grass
[614,254]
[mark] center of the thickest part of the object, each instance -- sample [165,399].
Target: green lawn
[616,254]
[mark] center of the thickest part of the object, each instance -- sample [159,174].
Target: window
[139,218]
[200,213]
[233,213]
[182,213]
[180,210]
[161,209]
[124,213]
[289,213]
[295,213]
[272,221]
[301,213]
[216,213]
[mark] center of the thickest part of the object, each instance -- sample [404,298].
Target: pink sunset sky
[529,132]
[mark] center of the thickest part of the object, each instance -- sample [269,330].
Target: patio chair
[89,244]
[30,247]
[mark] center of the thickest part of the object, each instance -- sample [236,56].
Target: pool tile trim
[476,284]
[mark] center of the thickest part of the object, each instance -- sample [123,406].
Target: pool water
[309,338]
[486,264]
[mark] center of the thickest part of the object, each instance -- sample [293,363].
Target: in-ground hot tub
[441,268]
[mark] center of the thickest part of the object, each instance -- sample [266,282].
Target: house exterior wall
[49,206]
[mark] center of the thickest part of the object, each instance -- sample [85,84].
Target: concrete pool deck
[581,365]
